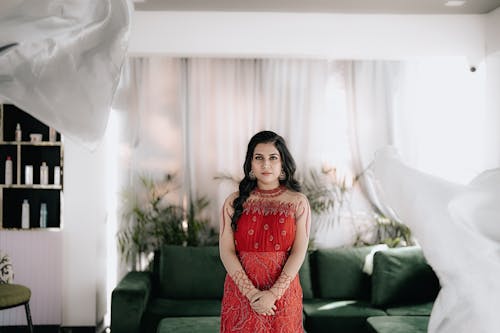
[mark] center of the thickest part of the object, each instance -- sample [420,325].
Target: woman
[264,235]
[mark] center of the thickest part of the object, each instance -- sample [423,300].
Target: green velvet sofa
[187,283]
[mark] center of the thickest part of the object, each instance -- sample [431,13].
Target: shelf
[29,143]
[32,229]
[33,187]
[25,152]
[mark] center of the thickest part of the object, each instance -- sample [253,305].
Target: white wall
[307,35]
[493,106]
[36,260]
[492,35]
[84,224]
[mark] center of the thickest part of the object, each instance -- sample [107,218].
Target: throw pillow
[402,275]
[340,273]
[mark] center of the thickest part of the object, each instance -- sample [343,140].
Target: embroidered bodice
[268,222]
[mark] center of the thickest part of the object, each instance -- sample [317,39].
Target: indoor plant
[151,220]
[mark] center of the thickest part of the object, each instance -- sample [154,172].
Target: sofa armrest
[128,302]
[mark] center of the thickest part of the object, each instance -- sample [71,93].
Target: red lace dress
[263,239]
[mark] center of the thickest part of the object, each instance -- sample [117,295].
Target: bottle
[44,174]
[28,174]
[43,215]
[18,132]
[52,134]
[57,175]
[25,216]
[8,171]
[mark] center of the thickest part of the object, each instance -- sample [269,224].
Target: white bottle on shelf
[57,175]
[44,174]
[8,171]
[28,174]
[25,216]
[18,132]
[43,215]
[52,134]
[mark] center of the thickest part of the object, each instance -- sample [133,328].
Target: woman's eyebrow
[262,154]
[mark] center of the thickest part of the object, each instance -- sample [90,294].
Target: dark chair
[12,295]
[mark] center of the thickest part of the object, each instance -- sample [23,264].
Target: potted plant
[151,220]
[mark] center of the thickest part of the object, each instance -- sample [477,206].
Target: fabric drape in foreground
[458,227]
[64,62]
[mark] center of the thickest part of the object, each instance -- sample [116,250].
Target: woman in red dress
[264,235]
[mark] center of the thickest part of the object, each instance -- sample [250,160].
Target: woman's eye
[258,157]
[274,157]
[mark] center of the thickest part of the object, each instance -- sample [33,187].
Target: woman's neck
[267,187]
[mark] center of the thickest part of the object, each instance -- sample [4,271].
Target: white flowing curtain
[433,112]
[371,87]
[195,116]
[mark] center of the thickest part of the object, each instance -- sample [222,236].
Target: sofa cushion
[305,277]
[160,308]
[420,309]
[189,325]
[340,273]
[402,275]
[399,324]
[190,272]
[338,316]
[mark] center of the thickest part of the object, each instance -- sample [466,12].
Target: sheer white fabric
[428,109]
[66,61]
[372,87]
[195,117]
[458,227]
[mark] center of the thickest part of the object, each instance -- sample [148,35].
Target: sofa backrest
[190,272]
[400,276]
[197,273]
[306,277]
[338,273]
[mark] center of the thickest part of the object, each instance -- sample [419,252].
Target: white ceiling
[322,6]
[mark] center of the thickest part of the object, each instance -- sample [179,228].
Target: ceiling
[321,6]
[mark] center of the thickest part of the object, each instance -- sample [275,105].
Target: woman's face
[266,165]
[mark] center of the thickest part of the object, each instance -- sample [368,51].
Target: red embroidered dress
[263,239]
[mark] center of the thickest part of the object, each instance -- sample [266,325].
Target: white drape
[64,61]
[371,90]
[459,230]
[197,116]
[433,111]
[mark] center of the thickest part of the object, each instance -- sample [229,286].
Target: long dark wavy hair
[247,184]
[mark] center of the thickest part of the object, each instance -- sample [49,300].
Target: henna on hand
[244,284]
[281,285]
